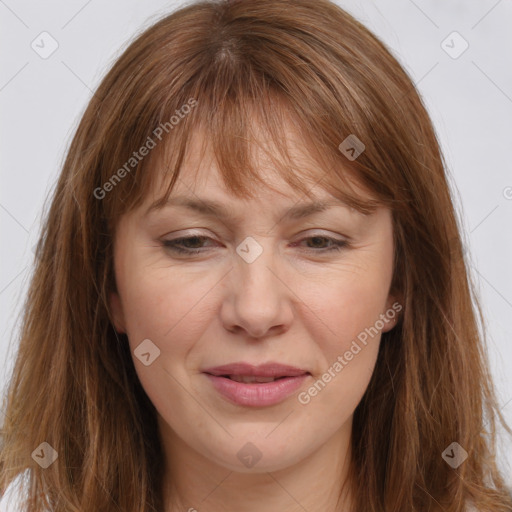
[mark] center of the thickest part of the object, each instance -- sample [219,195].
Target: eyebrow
[212,208]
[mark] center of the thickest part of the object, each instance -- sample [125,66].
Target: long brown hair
[220,65]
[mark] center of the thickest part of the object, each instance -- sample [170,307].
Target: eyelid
[337,245]
[302,234]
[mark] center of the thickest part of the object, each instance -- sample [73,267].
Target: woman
[201,351]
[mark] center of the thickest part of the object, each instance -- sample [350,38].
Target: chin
[259,453]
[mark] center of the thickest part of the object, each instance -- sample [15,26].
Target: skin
[292,305]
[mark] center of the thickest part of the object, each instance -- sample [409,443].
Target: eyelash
[337,246]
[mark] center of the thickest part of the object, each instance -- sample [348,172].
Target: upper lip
[263,370]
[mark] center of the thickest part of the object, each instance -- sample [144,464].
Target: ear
[393,311]
[117,313]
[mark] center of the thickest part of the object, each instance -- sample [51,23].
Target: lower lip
[257,394]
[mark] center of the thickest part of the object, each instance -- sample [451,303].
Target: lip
[256,394]
[272,369]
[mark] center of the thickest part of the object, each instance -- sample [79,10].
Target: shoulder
[12,499]
[15,496]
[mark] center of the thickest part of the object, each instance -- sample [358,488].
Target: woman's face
[264,287]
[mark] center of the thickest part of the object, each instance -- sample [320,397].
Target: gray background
[469,99]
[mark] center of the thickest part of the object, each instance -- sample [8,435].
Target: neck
[319,482]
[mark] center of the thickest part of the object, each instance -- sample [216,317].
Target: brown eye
[186,245]
[336,245]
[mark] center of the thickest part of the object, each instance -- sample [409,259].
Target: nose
[258,301]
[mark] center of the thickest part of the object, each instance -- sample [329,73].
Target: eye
[335,244]
[177,244]
[193,245]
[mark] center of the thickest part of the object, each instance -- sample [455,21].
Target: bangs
[244,91]
[232,135]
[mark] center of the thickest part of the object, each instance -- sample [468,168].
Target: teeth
[250,379]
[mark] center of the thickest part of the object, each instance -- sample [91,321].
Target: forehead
[202,193]
[200,174]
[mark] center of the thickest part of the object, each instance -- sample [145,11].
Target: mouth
[251,379]
[241,369]
[256,386]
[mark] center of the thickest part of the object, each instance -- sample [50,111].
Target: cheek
[345,332]
[346,328]
[163,303]
[163,306]
[347,306]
